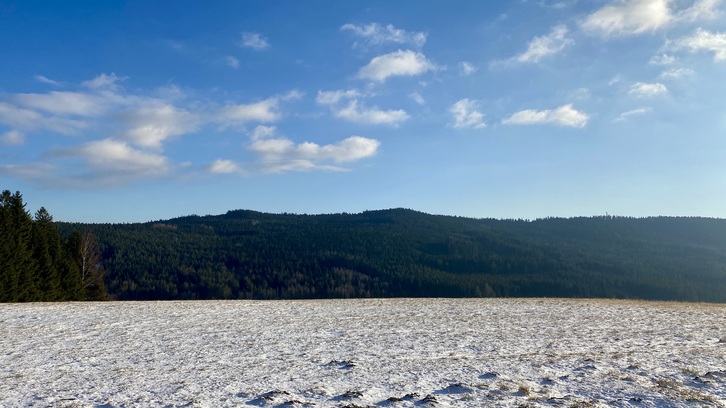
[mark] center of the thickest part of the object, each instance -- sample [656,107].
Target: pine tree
[21,257]
[47,253]
[8,271]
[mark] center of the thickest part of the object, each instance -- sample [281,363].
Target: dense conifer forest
[400,252]
[36,264]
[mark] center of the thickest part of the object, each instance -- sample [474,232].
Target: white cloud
[45,80]
[631,17]
[12,138]
[416,97]
[292,95]
[700,10]
[565,115]
[255,41]
[104,163]
[644,90]
[151,125]
[615,80]
[371,116]
[357,112]
[662,59]
[703,40]
[397,63]
[261,132]
[220,166]
[635,112]
[466,115]
[232,61]
[676,73]
[29,120]
[272,149]
[63,103]
[467,68]
[627,17]
[347,150]
[263,111]
[544,46]
[280,154]
[103,81]
[375,34]
[334,97]
[122,160]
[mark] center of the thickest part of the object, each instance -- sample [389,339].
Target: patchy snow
[395,352]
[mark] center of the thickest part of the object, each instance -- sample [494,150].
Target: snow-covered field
[329,353]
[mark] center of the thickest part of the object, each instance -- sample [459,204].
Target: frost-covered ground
[398,353]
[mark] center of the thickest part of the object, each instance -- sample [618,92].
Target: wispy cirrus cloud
[46,80]
[397,63]
[634,112]
[565,115]
[542,47]
[376,34]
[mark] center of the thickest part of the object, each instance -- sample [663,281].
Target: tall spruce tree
[48,253]
[21,251]
[8,271]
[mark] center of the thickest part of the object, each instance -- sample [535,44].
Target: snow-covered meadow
[394,352]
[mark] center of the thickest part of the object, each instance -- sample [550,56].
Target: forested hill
[398,252]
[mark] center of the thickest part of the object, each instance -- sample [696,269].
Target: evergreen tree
[21,258]
[8,271]
[47,253]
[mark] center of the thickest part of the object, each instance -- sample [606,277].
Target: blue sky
[116,111]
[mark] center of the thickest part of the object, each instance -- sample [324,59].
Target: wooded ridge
[405,253]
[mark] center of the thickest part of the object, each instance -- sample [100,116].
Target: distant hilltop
[406,253]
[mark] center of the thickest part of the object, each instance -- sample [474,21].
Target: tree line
[37,264]
[385,253]
[405,253]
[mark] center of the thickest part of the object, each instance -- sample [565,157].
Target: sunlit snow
[357,353]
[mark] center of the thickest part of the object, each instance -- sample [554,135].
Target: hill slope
[398,252]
